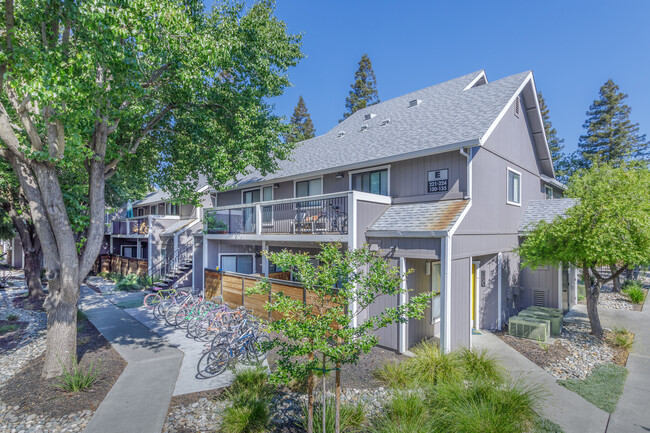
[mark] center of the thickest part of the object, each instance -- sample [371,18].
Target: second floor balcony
[135,227]
[325,214]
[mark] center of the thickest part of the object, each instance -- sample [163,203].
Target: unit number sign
[438,181]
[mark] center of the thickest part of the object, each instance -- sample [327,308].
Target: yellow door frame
[474,294]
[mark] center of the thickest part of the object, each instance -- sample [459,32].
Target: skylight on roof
[414,102]
[364,127]
[369,116]
[385,122]
[341,134]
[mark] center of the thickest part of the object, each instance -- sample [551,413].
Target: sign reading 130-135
[438,181]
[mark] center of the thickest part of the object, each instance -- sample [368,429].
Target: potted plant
[214,225]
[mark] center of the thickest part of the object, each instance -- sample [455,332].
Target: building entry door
[252,196]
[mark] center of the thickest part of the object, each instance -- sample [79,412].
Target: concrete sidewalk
[573,413]
[139,400]
[633,410]
[187,380]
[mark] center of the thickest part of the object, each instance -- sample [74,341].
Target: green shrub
[77,379]
[405,413]
[250,396]
[627,284]
[635,293]
[620,337]
[478,365]
[351,417]
[254,417]
[603,387]
[483,407]
[430,365]
[7,328]
[12,317]
[395,374]
[129,283]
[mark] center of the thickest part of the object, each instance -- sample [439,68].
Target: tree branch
[21,108]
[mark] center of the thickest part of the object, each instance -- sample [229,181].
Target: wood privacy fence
[121,265]
[232,287]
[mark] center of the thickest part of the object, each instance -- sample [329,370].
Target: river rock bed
[611,299]
[12,421]
[585,352]
[205,414]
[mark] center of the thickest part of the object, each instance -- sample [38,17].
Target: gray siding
[331,184]
[229,198]
[367,214]
[543,280]
[416,248]
[233,247]
[408,179]
[197,263]
[388,336]
[460,306]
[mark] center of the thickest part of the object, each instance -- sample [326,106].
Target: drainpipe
[499,290]
[469,157]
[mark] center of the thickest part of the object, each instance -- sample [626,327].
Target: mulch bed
[540,353]
[33,394]
[11,339]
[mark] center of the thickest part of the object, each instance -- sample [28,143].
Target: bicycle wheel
[159,310]
[182,315]
[213,362]
[170,315]
[342,222]
[152,300]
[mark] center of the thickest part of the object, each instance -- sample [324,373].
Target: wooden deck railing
[120,265]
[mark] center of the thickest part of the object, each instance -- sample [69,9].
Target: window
[153,210]
[308,188]
[549,192]
[514,187]
[242,264]
[375,182]
[435,290]
[267,211]
[140,211]
[172,209]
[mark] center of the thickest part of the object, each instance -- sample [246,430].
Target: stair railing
[169,264]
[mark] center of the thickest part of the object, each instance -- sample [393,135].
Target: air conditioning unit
[527,327]
[556,319]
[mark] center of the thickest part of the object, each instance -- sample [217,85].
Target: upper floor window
[172,209]
[514,187]
[374,182]
[153,210]
[548,191]
[308,188]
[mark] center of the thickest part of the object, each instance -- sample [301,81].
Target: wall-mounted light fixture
[276,185]
[339,175]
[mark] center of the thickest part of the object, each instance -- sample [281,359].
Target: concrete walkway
[573,413]
[633,410]
[139,400]
[187,380]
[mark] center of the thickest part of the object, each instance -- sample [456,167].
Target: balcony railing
[130,227]
[325,214]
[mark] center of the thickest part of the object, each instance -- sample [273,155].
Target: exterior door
[252,196]
[473,296]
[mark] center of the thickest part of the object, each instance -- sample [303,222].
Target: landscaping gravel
[585,352]
[610,299]
[12,421]
[100,283]
[205,414]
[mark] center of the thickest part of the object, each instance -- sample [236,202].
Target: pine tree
[302,126]
[554,142]
[363,91]
[611,136]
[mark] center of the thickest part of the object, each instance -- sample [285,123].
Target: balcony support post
[265,260]
[138,253]
[352,244]
[258,219]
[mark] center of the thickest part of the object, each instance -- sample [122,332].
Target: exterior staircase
[167,272]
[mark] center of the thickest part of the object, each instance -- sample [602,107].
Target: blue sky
[573,47]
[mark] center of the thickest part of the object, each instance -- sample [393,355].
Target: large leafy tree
[302,128]
[363,92]
[610,223]
[342,286]
[555,143]
[610,136]
[160,90]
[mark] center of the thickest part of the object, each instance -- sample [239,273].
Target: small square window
[548,191]
[514,187]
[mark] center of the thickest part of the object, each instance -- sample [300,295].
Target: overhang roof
[544,210]
[418,219]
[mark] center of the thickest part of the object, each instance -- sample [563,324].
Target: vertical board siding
[367,214]
[460,302]
[488,293]
[544,279]
[409,177]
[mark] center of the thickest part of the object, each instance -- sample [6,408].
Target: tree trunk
[617,280]
[61,345]
[337,399]
[310,399]
[32,269]
[593,293]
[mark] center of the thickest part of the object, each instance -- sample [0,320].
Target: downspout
[446,246]
[499,290]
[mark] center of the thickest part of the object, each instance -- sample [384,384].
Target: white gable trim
[475,80]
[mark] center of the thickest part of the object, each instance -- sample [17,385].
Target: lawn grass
[543,425]
[7,328]
[602,388]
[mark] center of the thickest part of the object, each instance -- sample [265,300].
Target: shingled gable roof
[449,115]
[159,195]
[418,219]
[544,210]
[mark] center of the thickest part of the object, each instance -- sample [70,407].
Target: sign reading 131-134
[438,181]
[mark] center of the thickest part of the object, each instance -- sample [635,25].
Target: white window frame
[367,170]
[296,181]
[546,190]
[508,170]
[261,190]
[168,209]
[238,254]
